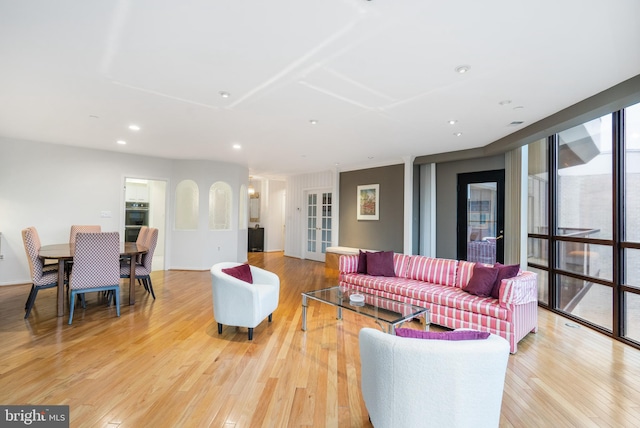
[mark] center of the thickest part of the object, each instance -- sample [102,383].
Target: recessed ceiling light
[516,123]
[121,142]
[457,134]
[504,102]
[93,116]
[134,127]
[237,146]
[224,94]
[453,122]
[313,122]
[518,107]
[463,69]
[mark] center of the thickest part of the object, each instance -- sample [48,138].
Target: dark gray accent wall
[446,194]
[386,233]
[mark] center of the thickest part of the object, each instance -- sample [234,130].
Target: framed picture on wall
[368,202]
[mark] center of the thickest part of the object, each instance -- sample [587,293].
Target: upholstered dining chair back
[141,240]
[79,228]
[151,241]
[32,247]
[40,278]
[409,382]
[96,266]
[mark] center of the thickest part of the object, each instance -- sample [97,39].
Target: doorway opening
[145,202]
[480,221]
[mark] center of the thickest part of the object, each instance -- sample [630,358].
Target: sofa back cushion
[401,264]
[436,271]
[464,273]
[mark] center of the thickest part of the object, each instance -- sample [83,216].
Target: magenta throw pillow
[362,262]
[482,280]
[241,272]
[445,335]
[380,264]
[504,272]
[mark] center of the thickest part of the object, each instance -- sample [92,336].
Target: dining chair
[142,239]
[143,269]
[41,277]
[96,267]
[80,228]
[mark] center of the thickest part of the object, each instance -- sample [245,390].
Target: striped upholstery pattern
[464,274]
[437,271]
[96,261]
[437,284]
[348,263]
[77,228]
[423,293]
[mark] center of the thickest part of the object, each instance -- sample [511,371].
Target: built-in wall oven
[136,215]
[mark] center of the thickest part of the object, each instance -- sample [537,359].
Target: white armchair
[238,303]
[409,382]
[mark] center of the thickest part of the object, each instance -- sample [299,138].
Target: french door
[481,216]
[319,224]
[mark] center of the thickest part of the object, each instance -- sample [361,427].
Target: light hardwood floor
[163,364]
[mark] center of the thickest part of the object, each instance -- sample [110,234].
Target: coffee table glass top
[379,308]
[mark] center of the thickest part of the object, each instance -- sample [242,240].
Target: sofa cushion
[445,335]
[422,293]
[464,273]
[429,269]
[241,272]
[482,281]
[380,264]
[362,261]
[504,272]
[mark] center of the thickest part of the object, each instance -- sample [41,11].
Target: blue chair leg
[116,294]
[270,317]
[250,334]
[219,328]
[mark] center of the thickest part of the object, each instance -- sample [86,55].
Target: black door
[481,216]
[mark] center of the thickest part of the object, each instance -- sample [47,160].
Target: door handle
[501,236]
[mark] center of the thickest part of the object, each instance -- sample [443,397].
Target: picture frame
[368,202]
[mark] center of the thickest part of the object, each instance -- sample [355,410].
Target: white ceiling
[378,76]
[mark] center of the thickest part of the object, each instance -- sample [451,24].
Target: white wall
[275,219]
[52,187]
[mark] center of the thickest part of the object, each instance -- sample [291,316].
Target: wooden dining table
[65,252]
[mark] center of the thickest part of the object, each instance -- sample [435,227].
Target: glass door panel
[481,217]
[319,224]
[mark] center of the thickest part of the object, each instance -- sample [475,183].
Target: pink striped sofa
[437,284]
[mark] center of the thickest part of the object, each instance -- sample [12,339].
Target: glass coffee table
[382,310]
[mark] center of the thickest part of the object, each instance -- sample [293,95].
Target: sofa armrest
[348,263]
[519,290]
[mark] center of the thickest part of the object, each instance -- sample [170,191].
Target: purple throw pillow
[482,280]
[380,264]
[504,272]
[362,262]
[446,335]
[241,272]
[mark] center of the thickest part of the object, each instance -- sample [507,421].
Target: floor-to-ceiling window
[583,232]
